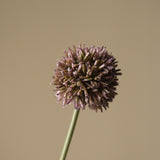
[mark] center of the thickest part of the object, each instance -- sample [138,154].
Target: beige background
[34,34]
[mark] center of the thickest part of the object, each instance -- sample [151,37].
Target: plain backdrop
[34,35]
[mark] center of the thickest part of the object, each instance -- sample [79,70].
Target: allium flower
[86,76]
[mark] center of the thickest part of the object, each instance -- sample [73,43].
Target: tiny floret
[86,76]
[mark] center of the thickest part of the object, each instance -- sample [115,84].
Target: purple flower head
[86,76]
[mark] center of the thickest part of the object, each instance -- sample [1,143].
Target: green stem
[69,134]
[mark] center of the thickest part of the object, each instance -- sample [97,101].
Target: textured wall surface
[34,34]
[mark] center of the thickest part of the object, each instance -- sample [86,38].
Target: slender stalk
[69,134]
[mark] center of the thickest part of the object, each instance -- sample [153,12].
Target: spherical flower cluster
[86,76]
